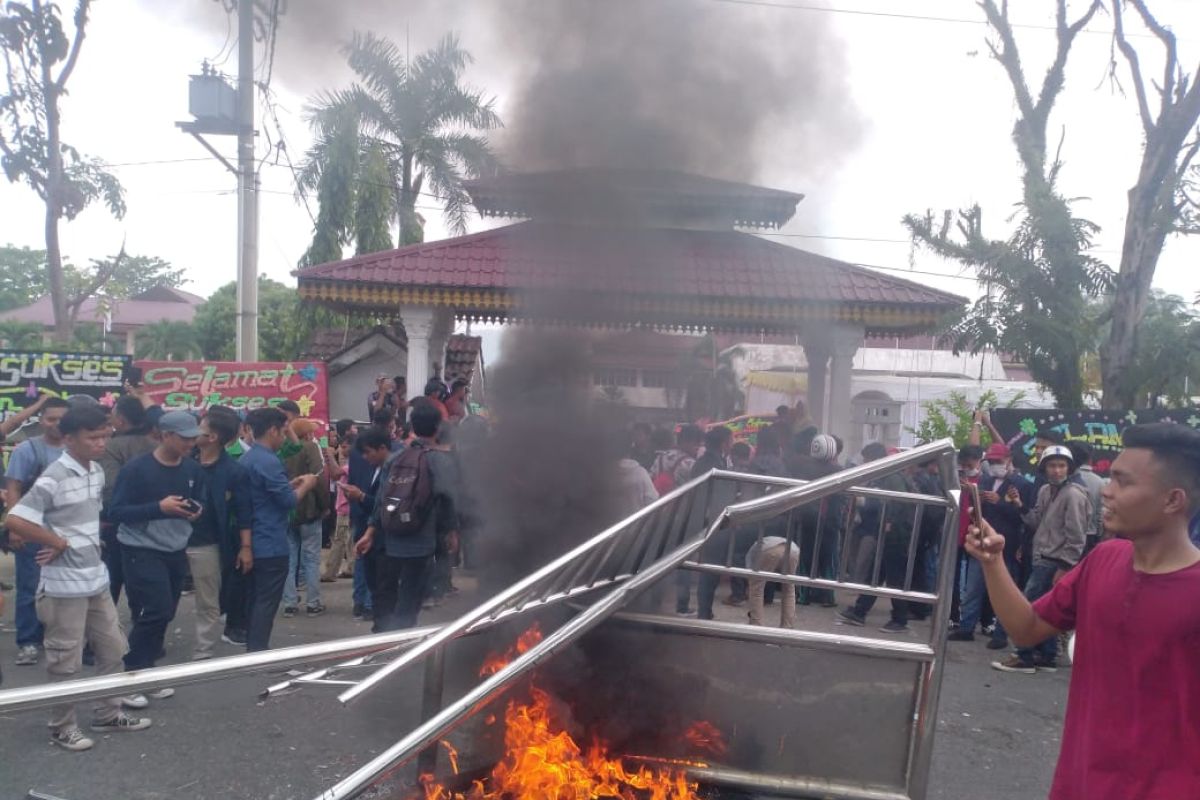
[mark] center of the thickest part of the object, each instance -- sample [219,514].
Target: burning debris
[543,761]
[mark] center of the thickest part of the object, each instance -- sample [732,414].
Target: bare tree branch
[1135,67]
[81,13]
[103,275]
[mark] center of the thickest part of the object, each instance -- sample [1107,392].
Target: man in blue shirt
[273,497]
[24,465]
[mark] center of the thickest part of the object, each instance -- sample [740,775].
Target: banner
[1100,430]
[197,385]
[27,375]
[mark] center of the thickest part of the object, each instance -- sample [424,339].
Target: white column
[130,341]
[439,337]
[816,354]
[844,343]
[418,325]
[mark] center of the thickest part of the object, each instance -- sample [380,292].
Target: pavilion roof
[624,194]
[667,277]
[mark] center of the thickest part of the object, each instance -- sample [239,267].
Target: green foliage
[417,116]
[285,324]
[34,40]
[373,210]
[168,340]
[20,335]
[1166,371]
[130,276]
[1036,288]
[952,416]
[22,276]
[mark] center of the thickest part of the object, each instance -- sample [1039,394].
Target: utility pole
[247,283]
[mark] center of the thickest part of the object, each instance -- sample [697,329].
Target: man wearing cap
[996,479]
[157,498]
[1060,519]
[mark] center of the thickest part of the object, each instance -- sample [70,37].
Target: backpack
[407,493]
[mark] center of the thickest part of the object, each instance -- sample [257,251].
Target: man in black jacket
[219,551]
[371,449]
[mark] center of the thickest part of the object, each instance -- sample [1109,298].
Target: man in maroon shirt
[1132,728]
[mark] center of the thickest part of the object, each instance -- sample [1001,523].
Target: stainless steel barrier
[635,554]
[698,529]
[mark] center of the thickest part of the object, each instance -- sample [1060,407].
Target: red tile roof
[717,264]
[153,305]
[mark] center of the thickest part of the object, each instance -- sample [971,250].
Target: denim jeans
[973,593]
[1041,580]
[304,549]
[265,587]
[153,581]
[361,595]
[29,628]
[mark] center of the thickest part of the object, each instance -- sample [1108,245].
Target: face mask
[997,470]
[969,473]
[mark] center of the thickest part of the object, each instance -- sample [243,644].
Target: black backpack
[407,493]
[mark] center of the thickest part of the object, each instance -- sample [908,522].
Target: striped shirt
[65,500]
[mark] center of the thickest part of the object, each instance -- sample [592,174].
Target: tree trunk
[411,231]
[63,323]
[1145,236]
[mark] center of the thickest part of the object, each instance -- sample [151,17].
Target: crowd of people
[248,510]
[254,512]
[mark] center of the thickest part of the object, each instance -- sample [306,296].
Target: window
[615,376]
[655,378]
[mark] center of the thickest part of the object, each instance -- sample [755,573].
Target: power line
[862,12]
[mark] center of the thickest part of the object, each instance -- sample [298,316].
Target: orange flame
[494,663]
[705,737]
[543,761]
[452,753]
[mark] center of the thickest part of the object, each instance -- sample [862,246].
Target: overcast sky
[936,115]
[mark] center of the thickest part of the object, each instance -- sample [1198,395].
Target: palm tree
[168,340]
[419,117]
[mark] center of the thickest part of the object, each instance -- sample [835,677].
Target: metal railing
[599,580]
[641,550]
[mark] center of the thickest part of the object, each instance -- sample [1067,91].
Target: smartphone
[192,507]
[972,491]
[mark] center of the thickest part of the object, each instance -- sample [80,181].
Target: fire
[496,662]
[706,738]
[543,762]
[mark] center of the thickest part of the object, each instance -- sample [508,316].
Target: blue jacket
[272,498]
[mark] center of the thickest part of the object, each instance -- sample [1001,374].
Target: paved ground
[997,733]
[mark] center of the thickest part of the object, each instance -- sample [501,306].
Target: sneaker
[122,722]
[289,611]
[234,636]
[1015,663]
[202,655]
[894,627]
[328,580]
[27,655]
[960,636]
[135,701]
[1045,666]
[735,601]
[71,739]
[315,610]
[987,630]
[848,616]
[358,613]
[686,612]
[997,643]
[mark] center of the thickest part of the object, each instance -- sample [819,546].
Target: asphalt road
[997,733]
